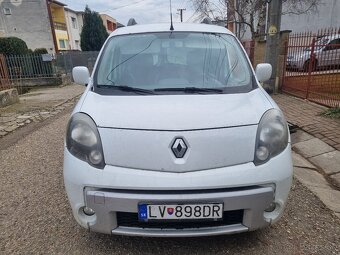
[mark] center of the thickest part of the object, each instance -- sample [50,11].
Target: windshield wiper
[193,90]
[127,89]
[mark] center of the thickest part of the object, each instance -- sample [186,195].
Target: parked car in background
[174,136]
[326,53]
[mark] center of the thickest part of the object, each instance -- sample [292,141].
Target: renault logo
[179,148]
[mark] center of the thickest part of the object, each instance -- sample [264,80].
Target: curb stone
[11,121]
[316,166]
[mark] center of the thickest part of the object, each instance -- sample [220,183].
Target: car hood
[176,112]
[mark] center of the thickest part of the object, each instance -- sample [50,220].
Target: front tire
[306,66]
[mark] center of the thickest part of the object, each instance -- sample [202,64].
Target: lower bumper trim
[230,229]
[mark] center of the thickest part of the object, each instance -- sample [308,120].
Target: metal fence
[65,61]
[312,66]
[34,66]
[29,66]
[4,76]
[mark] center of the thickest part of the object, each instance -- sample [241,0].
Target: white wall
[73,32]
[29,21]
[328,15]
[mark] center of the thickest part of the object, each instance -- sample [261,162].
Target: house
[327,16]
[45,24]
[59,27]
[109,23]
[74,23]
[29,21]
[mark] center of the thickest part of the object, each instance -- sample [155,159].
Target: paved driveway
[35,217]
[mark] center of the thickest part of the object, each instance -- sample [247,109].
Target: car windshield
[319,44]
[174,61]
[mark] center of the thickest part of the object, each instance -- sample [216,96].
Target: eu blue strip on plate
[143,212]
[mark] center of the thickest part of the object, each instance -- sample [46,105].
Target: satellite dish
[206,21]
[132,22]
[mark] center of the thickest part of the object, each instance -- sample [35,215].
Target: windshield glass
[174,60]
[319,44]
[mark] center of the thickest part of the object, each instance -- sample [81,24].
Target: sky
[143,11]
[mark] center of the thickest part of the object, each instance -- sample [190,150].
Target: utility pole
[181,13]
[272,43]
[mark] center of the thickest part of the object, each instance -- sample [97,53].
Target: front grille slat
[126,219]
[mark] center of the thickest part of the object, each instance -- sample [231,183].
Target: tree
[249,13]
[93,34]
[13,46]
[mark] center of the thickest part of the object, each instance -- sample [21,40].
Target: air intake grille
[125,219]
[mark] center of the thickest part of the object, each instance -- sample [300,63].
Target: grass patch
[333,113]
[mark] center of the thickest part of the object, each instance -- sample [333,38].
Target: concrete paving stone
[330,197]
[310,178]
[7,119]
[300,136]
[329,162]
[336,178]
[24,117]
[11,128]
[7,114]
[299,161]
[312,148]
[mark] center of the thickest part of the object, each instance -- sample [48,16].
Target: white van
[174,136]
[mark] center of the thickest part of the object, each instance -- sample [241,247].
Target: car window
[333,45]
[174,60]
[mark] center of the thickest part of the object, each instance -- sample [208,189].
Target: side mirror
[81,75]
[263,72]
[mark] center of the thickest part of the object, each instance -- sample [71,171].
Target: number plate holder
[180,212]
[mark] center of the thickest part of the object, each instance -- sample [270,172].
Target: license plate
[211,211]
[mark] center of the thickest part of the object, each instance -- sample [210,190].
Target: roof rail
[131,22]
[206,20]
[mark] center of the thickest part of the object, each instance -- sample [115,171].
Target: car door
[331,53]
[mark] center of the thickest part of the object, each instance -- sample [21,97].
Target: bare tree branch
[250,13]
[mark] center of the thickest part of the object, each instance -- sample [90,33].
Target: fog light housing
[262,153]
[271,207]
[95,157]
[88,211]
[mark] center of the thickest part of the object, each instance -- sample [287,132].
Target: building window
[109,25]
[7,11]
[62,44]
[74,23]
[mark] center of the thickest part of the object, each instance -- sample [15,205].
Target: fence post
[310,67]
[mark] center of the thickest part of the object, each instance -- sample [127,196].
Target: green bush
[40,51]
[13,46]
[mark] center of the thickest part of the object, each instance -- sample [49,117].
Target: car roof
[331,37]
[165,27]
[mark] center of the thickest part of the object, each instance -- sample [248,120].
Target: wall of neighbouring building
[28,21]
[73,29]
[109,23]
[327,16]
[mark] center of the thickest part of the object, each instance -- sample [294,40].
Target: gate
[4,76]
[312,66]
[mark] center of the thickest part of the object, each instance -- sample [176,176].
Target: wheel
[306,66]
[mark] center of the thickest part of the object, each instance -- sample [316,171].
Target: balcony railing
[60,26]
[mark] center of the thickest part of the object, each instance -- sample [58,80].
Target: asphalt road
[35,217]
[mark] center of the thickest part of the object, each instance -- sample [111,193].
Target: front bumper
[114,190]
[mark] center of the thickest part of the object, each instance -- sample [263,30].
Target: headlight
[272,136]
[83,140]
